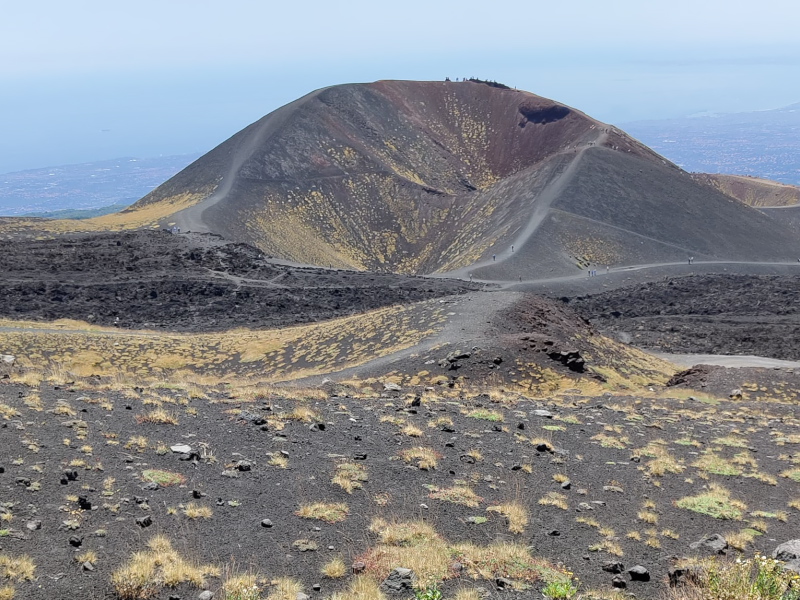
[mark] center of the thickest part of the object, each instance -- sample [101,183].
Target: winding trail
[191,219]
[541,205]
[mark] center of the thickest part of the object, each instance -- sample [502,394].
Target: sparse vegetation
[426,458]
[350,476]
[328,512]
[715,502]
[516,514]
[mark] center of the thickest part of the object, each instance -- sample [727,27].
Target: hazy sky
[87,80]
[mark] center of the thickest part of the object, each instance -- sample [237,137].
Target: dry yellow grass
[349,476]
[16,568]
[278,460]
[458,494]
[285,588]
[418,546]
[362,587]
[89,556]
[333,512]
[516,514]
[554,499]
[241,586]
[72,350]
[197,511]
[160,416]
[160,565]
[334,568]
[427,458]
[648,516]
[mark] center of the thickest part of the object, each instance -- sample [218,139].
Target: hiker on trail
[607,269]
[494,256]
[512,247]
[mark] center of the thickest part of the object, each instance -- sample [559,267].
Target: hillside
[451,178]
[752,190]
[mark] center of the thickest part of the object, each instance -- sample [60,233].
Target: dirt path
[541,206]
[727,360]
[191,219]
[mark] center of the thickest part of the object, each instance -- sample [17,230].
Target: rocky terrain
[703,314]
[154,279]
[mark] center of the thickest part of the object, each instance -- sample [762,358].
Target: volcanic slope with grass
[437,177]
[754,191]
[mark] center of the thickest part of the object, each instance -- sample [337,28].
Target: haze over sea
[94,80]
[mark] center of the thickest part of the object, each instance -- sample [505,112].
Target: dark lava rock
[266,523]
[145,521]
[618,581]
[84,503]
[358,567]
[503,583]
[75,541]
[639,573]
[614,567]
[399,581]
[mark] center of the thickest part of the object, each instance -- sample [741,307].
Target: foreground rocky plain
[509,456]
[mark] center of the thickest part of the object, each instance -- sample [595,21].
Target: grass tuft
[327,512]
[715,502]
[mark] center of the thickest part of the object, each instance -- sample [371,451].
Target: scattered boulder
[205,595]
[34,525]
[266,523]
[145,521]
[571,359]
[614,567]
[358,567]
[787,551]
[715,543]
[546,414]
[400,580]
[639,573]
[503,583]
[391,387]
[181,448]
[792,565]
[251,417]
[618,581]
